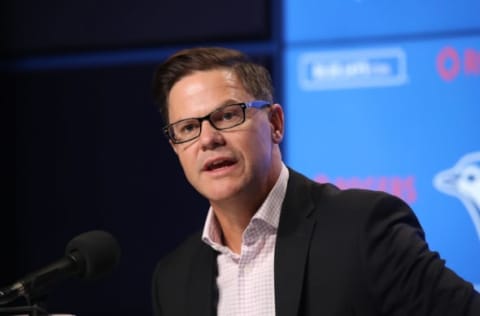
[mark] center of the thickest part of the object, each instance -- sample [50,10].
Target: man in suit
[275,242]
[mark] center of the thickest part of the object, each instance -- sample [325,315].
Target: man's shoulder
[327,198]
[183,251]
[179,259]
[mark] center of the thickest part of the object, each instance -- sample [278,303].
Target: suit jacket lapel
[293,242]
[201,293]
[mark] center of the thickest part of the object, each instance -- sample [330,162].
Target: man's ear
[277,122]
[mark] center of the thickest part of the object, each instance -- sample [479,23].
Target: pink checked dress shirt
[245,281]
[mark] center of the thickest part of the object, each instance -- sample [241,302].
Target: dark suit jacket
[350,252]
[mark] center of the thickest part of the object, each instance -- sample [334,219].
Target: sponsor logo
[352,69]
[451,63]
[463,182]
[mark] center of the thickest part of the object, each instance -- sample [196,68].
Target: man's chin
[220,192]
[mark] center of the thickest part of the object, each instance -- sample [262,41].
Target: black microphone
[90,255]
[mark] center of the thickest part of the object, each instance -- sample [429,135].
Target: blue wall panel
[393,117]
[310,20]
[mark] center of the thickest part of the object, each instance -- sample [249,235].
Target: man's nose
[210,136]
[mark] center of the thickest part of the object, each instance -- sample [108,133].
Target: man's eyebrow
[221,104]
[228,102]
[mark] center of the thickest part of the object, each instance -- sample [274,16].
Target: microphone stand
[31,309]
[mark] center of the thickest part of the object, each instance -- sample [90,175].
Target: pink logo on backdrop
[453,62]
[403,187]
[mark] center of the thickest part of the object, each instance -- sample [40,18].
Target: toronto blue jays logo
[463,182]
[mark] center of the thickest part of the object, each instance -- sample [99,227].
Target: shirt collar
[269,213]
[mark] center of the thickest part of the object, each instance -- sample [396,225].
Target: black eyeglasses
[225,117]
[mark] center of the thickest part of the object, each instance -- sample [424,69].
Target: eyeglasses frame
[257,104]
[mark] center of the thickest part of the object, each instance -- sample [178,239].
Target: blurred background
[382,95]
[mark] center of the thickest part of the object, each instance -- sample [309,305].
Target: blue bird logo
[463,182]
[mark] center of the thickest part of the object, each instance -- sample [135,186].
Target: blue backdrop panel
[402,118]
[307,20]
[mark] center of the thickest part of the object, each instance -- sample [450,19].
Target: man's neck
[233,221]
[234,215]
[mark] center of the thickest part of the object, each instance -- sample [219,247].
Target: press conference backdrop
[385,95]
[378,94]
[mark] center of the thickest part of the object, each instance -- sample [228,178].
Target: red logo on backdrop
[452,62]
[403,187]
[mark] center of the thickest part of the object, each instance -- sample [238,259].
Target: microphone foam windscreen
[98,249]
